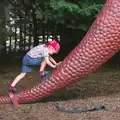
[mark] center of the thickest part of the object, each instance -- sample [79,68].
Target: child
[39,55]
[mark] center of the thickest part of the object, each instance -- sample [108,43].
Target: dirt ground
[99,88]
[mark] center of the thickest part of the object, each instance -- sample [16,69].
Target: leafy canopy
[67,12]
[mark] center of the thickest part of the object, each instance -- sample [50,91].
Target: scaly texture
[101,42]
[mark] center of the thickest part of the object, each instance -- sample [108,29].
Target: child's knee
[23,74]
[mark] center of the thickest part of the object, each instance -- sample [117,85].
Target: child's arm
[52,60]
[50,63]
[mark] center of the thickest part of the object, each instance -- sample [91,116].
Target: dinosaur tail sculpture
[101,42]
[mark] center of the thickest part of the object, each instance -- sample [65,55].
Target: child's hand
[59,63]
[54,66]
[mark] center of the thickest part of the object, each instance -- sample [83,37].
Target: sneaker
[13,90]
[44,73]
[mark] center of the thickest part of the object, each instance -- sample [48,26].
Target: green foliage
[76,14]
[67,13]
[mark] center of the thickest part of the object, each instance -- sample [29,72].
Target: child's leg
[25,70]
[42,67]
[17,79]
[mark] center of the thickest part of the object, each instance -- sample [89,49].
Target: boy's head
[53,47]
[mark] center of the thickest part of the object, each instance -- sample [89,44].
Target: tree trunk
[15,37]
[2,28]
[20,42]
[36,42]
[30,28]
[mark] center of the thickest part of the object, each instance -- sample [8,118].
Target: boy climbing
[39,55]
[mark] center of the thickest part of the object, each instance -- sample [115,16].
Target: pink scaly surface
[100,43]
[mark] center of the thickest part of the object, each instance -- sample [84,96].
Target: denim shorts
[28,63]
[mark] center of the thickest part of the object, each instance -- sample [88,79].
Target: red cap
[54,44]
